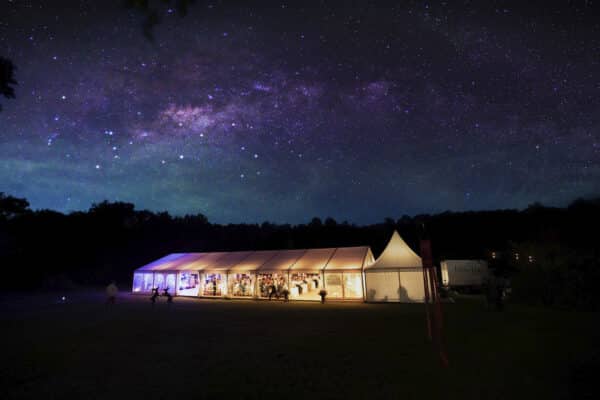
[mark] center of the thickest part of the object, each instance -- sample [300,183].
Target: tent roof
[346,258]
[228,260]
[340,258]
[254,261]
[172,262]
[282,261]
[397,254]
[313,260]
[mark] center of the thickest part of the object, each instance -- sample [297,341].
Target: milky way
[282,113]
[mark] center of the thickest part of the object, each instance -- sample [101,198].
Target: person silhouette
[167,295]
[154,295]
[111,293]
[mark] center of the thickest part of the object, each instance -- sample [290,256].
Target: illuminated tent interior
[397,275]
[259,274]
[344,272]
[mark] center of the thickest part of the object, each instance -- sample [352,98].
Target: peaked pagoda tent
[397,275]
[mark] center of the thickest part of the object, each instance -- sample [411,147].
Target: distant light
[97,166]
[63,97]
[181,156]
[114,148]
[255,155]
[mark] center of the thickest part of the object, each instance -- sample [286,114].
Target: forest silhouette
[551,254]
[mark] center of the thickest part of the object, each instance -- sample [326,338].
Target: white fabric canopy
[397,275]
[397,254]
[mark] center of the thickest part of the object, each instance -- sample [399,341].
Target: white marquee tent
[397,275]
[303,272]
[344,272]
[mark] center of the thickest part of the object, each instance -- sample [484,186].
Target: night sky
[282,113]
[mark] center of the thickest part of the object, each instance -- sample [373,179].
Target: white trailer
[463,273]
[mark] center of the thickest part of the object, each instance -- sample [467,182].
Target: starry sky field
[284,111]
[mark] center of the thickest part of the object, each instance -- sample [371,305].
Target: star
[409,100]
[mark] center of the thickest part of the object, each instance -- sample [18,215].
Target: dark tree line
[557,248]
[7,79]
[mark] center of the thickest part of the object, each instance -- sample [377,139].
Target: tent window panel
[138,282]
[171,283]
[241,285]
[383,286]
[272,284]
[188,283]
[333,285]
[305,286]
[353,285]
[214,285]
[148,283]
[159,281]
[412,286]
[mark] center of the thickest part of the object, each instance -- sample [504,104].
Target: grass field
[250,350]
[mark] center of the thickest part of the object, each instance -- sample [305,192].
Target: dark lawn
[245,349]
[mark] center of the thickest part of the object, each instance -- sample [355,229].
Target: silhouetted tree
[7,79]
[111,239]
[315,222]
[11,207]
[151,11]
